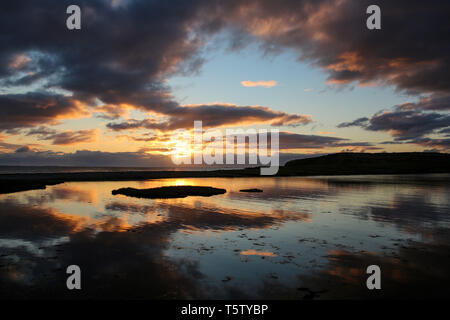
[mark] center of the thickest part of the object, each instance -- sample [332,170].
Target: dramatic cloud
[215,115]
[290,141]
[408,124]
[156,35]
[68,137]
[358,122]
[410,51]
[300,141]
[432,102]
[434,144]
[265,84]
[126,50]
[27,110]
[120,56]
[403,125]
[445,132]
[120,65]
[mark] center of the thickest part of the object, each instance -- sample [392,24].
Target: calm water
[301,238]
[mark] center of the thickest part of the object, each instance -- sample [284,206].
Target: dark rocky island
[251,190]
[170,192]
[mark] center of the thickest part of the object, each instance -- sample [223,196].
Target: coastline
[330,165]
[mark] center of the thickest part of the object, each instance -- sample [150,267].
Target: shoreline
[11,183]
[330,165]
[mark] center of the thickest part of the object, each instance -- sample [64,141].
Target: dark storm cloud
[411,38]
[289,140]
[25,69]
[214,115]
[403,125]
[118,52]
[30,109]
[411,50]
[120,56]
[357,122]
[445,131]
[124,53]
[408,124]
[430,103]
[133,124]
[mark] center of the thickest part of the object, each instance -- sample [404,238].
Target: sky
[114,92]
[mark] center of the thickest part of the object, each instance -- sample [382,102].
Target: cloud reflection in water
[302,238]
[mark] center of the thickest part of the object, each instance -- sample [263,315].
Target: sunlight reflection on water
[317,233]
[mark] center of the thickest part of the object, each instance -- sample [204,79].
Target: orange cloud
[262,83]
[19,61]
[214,115]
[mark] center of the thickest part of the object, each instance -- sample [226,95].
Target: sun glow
[180,148]
[180,182]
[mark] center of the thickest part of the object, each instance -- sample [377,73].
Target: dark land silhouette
[333,164]
[169,192]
